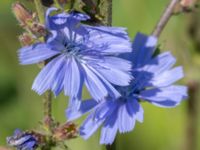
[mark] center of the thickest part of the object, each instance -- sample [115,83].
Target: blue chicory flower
[153,82]
[78,54]
[22,141]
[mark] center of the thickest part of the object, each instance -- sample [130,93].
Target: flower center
[71,49]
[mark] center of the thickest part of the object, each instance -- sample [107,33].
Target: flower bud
[38,29]
[21,13]
[65,131]
[26,39]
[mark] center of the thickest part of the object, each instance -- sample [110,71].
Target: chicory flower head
[153,82]
[78,54]
[22,141]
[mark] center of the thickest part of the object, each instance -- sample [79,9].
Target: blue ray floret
[22,141]
[78,54]
[153,82]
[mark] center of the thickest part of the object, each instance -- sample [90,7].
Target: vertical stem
[47,110]
[165,18]
[72,3]
[40,10]
[47,96]
[192,123]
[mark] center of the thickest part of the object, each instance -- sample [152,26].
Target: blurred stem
[72,4]
[192,123]
[168,13]
[40,10]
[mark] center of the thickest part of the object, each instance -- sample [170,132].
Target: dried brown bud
[65,131]
[38,29]
[188,3]
[21,13]
[26,39]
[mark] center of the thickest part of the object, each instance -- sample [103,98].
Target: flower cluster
[153,82]
[117,73]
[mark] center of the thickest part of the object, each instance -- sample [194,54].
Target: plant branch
[168,13]
[40,10]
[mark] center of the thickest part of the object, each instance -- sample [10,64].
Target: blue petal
[160,63]
[58,83]
[111,40]
[134,108]
[143,49]
[126,121]
[169,96]
[85,106]
[35,53]
[46,77]
[28,145]
[128,113]
[94,84]
[109,129]
[90,126]
[61,20]
[112,70]
[111,90]
[105,108]
[167,78]
[73,80]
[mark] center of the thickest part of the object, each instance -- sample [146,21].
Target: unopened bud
[38,29]
[26,39]
[66,131]
[21,13]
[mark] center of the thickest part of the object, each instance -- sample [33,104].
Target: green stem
[40,10]
[72,4]
[47,111]
[47,97]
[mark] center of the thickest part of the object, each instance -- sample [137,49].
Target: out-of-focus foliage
[163,129]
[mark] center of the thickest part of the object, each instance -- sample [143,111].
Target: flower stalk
[47,97]
[168,13]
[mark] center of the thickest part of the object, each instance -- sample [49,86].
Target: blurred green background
[163,129]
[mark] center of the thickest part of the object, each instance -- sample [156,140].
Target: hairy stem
[40,10]
[168,13]
[47,96]
[106,11]
[47,110]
